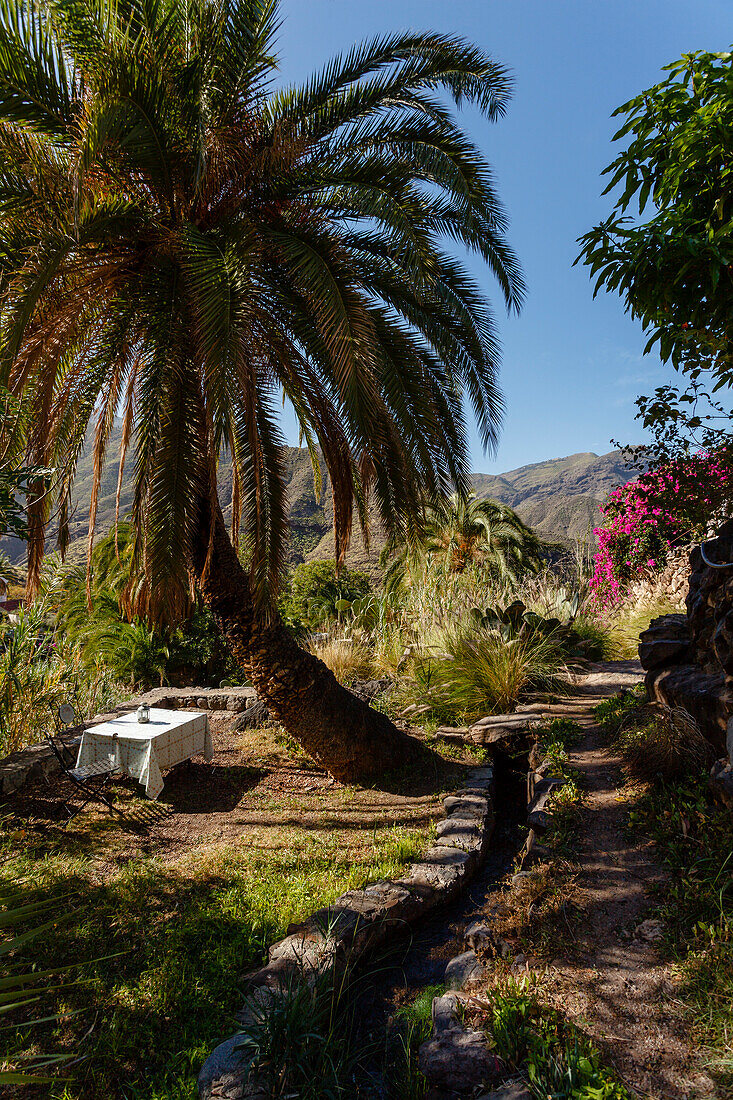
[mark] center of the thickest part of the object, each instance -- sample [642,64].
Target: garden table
[144,749]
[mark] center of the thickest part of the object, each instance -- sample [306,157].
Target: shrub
[625,623]
[348,658]
[662,743]
[477,672]
[556,1058]
[643,519]
[316,593]
[37,672]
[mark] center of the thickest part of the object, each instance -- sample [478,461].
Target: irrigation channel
[392,979]
[387,983]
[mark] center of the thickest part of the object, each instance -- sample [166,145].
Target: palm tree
[460,531]
[186,244]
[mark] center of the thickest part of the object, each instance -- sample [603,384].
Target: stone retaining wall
[337,936]
[688,658]
[458,1060]
[38,760]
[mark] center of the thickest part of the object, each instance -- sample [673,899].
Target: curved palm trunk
[344,734]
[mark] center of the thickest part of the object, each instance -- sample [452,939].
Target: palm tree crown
[185,242]
[461,531]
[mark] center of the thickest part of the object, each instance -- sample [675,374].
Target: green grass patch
[556,1059]
[695,844]
[144,1022]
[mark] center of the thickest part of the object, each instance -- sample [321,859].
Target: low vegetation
[694,838]
[656,742]
[665,751]
[552,1055]
[166,936]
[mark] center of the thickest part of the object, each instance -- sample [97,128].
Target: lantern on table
[143,713]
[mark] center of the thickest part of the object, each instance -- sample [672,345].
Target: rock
[224,1074]
[202,702]
[456,832]
[467,806]
[533,852]
[510,1090]
[721,782]
[463,969]
[650,930]
[479,936]
[704,695]
[458,1061]
[661,652]
[237,703]
[482,775]
[253,716]
[538,816]
[445,1013]
[441,869]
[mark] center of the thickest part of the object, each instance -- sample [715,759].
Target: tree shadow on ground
[201,788]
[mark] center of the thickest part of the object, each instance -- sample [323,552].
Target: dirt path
[615,984]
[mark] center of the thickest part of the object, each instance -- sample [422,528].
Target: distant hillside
[559,498]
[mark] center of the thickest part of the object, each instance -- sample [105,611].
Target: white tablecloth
[145,750]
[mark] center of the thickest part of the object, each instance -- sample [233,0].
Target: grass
[412,1026]
[628,622]
[145,1021]
[694,839]
[655,741]
[348,658]
[472,672]
[555,1059]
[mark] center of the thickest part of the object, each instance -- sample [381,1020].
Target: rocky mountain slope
[559,498]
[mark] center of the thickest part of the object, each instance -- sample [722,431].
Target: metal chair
[91,779]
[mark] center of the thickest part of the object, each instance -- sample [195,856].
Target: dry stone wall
[337,936]
[688,658]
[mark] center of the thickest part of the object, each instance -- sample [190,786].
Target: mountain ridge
[559,497]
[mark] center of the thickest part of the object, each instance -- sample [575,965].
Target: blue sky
[572,366]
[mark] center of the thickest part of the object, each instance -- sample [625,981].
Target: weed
[628,622]
[540,915]
[147,1019]
[694,838]
[657,742]
[348,658]
[473,671]
[611,712]
[300,1042]
[412,1026]
[553,1056]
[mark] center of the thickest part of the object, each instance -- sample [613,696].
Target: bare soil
[613,982]
[260,789]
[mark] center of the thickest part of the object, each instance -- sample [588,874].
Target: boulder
[253,716]
[463,969]
[224,1074]
[445,1013]
[458,1062]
